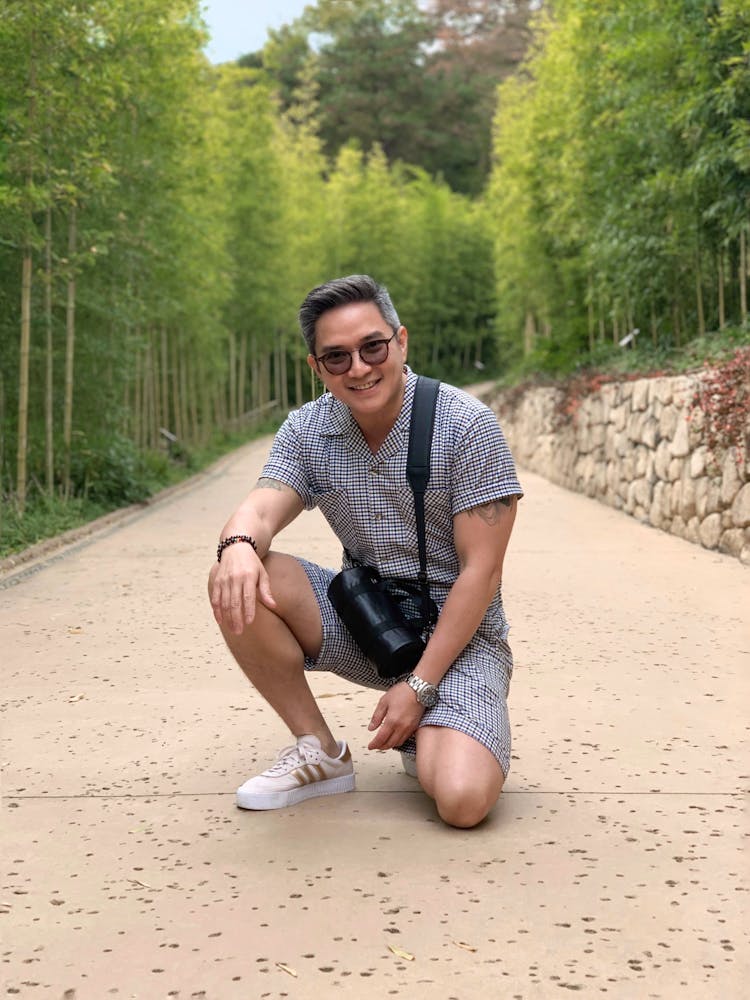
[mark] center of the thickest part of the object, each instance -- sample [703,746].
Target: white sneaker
[410,764]
[301,772]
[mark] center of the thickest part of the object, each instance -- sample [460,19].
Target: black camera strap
[418,474]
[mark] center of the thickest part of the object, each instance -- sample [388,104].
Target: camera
[375,621]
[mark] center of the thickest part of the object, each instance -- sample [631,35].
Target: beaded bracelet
[230,541]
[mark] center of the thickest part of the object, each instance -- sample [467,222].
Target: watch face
[429,697]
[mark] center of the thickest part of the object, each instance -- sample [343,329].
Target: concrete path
[611,866]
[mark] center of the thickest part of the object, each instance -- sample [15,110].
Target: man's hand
[240,580]
[396,717]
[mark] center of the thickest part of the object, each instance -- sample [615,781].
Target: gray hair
[340,292]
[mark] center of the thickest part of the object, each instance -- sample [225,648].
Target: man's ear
[313,363]
[403,340]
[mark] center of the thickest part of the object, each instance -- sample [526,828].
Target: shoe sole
[277,800]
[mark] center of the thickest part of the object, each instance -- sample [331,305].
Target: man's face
[369,390]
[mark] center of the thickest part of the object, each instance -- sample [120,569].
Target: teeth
[359,388]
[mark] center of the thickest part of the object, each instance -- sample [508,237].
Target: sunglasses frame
[321,360]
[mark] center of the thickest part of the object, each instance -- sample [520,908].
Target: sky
[241,26]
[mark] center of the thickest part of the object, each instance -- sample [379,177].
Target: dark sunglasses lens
[375,353]
[337,362]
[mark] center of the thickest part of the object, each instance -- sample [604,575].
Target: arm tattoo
[492,512]
[271,484]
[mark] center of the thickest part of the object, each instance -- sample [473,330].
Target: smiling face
[374,393]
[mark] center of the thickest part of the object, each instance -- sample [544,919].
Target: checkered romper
[320,452]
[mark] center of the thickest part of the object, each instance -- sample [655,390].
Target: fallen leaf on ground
[142,885]
[74,630]
[76,697]
[287,968]
[401,953]
[464,945]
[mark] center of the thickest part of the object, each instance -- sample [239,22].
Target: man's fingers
[379,714]
[216,603]
[264,591]
[382,740]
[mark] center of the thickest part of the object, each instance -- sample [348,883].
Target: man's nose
[358,365]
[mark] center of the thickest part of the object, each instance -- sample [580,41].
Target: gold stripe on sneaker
[320,770]
[305,774]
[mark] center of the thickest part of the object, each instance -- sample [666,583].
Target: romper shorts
[473,693]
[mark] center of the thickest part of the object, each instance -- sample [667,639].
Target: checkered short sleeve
[286,461]
[482,466]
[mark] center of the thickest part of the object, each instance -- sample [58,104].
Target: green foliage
[621,183]
[611,361]
[110,471]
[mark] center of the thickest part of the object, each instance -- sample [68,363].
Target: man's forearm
[462,613]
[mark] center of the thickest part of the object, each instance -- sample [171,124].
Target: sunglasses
[374,352]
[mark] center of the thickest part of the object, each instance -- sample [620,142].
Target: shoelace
[289,758]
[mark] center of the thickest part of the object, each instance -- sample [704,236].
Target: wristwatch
[427,694]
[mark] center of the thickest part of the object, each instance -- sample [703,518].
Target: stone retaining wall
[637,446]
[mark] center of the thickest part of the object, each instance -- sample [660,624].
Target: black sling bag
[372,608]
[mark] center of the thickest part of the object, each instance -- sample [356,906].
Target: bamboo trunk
[153,382]
[183,404]
[277,371]
[254,401]
[159,414]
[49,441]
[146,396]
[265,376]
[193,402]
[654,335]
[722,307]
[70,333]
[529,333]
[165,376]
[233,412]
[23,381]
[242,377]
[590,311]
[206,418]
[743,277]
[137,429]
[2,444]
[25,343]
[297,380]
[177,426]
[699,298]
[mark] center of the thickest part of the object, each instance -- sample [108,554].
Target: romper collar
[339,422]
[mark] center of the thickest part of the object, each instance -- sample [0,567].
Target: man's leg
[459,773]
[271,650]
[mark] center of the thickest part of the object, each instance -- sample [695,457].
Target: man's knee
[463,805]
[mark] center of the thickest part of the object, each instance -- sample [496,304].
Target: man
[346,454]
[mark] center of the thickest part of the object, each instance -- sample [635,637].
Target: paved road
[611,865]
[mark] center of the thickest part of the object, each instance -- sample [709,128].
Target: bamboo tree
[49,447]
[23,381]
[70,330]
